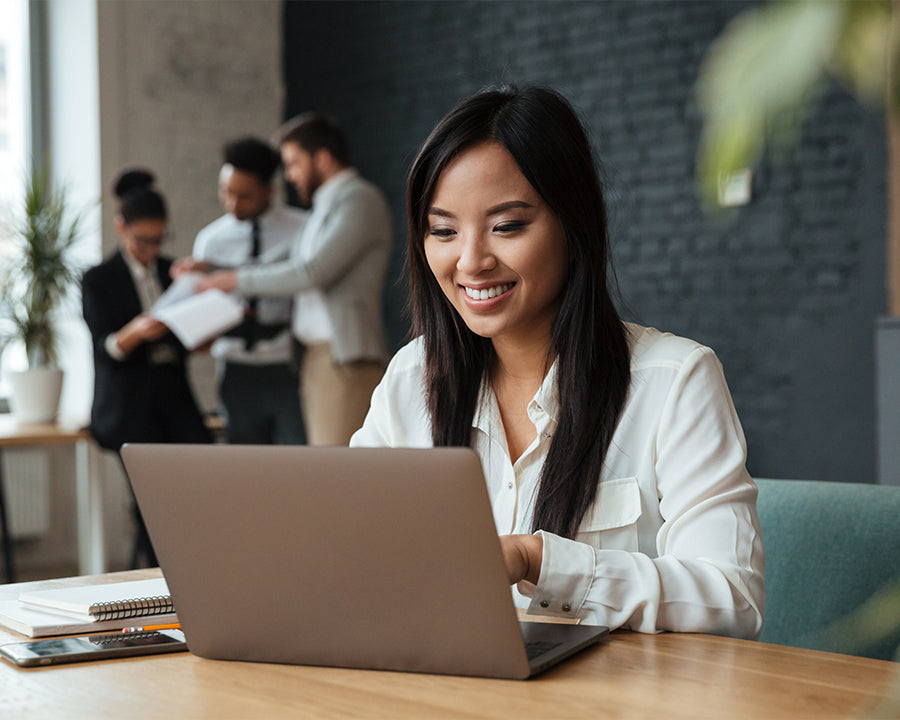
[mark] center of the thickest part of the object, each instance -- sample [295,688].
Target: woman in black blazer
[141,390]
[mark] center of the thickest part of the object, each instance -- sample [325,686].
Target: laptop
[374,558]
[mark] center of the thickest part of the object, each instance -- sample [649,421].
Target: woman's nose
[475,255]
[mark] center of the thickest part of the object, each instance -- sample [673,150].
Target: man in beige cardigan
[335,272]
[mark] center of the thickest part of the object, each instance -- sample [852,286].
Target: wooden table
[88,480]
[628,676]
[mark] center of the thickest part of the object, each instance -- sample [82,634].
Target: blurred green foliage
[763,76]
[39,272]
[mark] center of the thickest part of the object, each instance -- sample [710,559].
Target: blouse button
[545,604]
[509,485]
[566,607]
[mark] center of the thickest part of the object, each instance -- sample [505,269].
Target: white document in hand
[195,318]
[181,288]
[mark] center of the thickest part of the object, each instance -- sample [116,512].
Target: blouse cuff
[112,348]
[567,571]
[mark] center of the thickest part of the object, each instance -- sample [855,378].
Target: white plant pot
[35,394]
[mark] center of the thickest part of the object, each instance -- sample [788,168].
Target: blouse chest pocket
[611,522]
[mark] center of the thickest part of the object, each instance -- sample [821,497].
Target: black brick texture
[786,289]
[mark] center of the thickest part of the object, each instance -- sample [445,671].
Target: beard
[313,183]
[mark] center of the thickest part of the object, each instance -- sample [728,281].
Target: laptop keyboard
[539,647]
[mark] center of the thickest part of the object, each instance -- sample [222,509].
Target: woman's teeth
[488,293]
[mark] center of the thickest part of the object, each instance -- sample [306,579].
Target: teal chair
[832,566]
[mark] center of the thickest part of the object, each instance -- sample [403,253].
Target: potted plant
[37,274]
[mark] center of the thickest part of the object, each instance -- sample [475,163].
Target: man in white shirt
[335,273]
[258,376]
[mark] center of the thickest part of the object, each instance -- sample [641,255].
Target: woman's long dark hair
[543,134]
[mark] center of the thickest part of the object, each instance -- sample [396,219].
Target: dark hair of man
[137,198]
[548,142]
[252,156]
[313,131]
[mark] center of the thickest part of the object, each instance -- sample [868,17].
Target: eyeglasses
[153,241]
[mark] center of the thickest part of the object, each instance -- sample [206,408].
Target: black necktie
[251,322]
[254,253]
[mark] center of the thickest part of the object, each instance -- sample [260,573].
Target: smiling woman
[613,456]
[497,250]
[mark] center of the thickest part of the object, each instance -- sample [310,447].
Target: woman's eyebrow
[439,211]
[508,206]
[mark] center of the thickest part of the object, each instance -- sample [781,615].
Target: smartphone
[93,647]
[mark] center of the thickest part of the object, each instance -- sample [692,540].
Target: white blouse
[672,541]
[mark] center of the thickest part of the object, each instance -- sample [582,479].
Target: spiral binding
[115,639]
[136,607]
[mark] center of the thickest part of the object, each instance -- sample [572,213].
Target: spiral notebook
[88,608]
[112,601]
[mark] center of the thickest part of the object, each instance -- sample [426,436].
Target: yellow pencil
[149,628]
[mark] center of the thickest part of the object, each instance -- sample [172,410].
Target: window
[14,137]
[14,98]
[50,101]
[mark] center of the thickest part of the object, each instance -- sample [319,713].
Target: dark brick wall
[786,289]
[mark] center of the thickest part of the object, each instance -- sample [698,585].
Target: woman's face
[143,238]
[496,249]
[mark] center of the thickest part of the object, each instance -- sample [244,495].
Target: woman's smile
[486,293]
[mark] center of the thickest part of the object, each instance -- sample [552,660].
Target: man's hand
[188,265]
[224,280]
[523,555]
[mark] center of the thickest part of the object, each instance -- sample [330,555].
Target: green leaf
[758,80]
[860,59]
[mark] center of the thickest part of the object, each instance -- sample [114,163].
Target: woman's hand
[523,555]
[143,328]
[224,280]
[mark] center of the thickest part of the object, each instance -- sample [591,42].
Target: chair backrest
[832,566]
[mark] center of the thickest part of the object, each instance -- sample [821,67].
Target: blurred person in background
[335,274]
[141,388]
[258,378]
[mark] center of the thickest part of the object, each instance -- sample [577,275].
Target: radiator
[26,489]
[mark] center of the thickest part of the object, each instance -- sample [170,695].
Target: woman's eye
[510,227]
[440,232]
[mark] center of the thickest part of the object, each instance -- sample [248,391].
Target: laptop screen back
[367,558]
